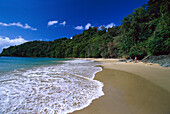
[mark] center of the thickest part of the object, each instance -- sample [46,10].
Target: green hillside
[145,31]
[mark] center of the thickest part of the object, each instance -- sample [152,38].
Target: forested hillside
[145,31]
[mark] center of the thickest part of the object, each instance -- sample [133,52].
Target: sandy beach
[131,88]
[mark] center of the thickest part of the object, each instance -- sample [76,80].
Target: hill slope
[144,31]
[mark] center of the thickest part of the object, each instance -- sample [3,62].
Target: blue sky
[51,19]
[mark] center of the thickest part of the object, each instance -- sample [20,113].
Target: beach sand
[131,88]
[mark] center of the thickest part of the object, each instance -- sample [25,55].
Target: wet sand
[132,88]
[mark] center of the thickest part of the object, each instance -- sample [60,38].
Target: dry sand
[131,88]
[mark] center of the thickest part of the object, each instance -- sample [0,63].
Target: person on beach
[135,59]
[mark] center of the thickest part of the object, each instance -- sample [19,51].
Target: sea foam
[60,89]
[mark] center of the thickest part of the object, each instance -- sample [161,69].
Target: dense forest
[145,31]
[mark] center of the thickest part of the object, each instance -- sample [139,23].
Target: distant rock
[163,60]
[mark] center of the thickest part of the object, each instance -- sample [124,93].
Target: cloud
[50,23]
[6,42]
[63,23]
[79,27]
[100,28]
[110,25]
[18,24]
[87,26]
[107,26]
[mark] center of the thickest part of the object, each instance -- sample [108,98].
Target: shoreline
[131,88]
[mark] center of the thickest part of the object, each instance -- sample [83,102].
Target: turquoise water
[47,85]
[11,63]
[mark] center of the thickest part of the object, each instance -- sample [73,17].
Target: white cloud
[87,26]
[50,23]
[110,25]
[107,26]
[79,27]
[71,37]
[100,27]
[7,42]
[18,24]
[63,23]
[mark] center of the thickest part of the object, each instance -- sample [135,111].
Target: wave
[61,88]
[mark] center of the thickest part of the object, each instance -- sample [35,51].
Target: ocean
[47,85]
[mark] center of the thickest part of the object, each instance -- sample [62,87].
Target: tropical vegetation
[145,31]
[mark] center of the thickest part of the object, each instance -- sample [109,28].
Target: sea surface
[47,85]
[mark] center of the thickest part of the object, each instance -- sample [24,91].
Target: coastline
[63,87]
[131,88]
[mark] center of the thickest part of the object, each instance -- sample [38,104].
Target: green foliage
[144,31]
[138,50]
[159,43]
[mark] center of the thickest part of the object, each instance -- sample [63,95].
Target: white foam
[78,61]
[62,88]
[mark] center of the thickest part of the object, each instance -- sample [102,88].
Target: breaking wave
[61,88]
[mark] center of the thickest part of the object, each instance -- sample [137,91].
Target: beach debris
[131,60]
[146,57]
[122,60]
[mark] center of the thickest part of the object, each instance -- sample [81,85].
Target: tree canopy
[144,31]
